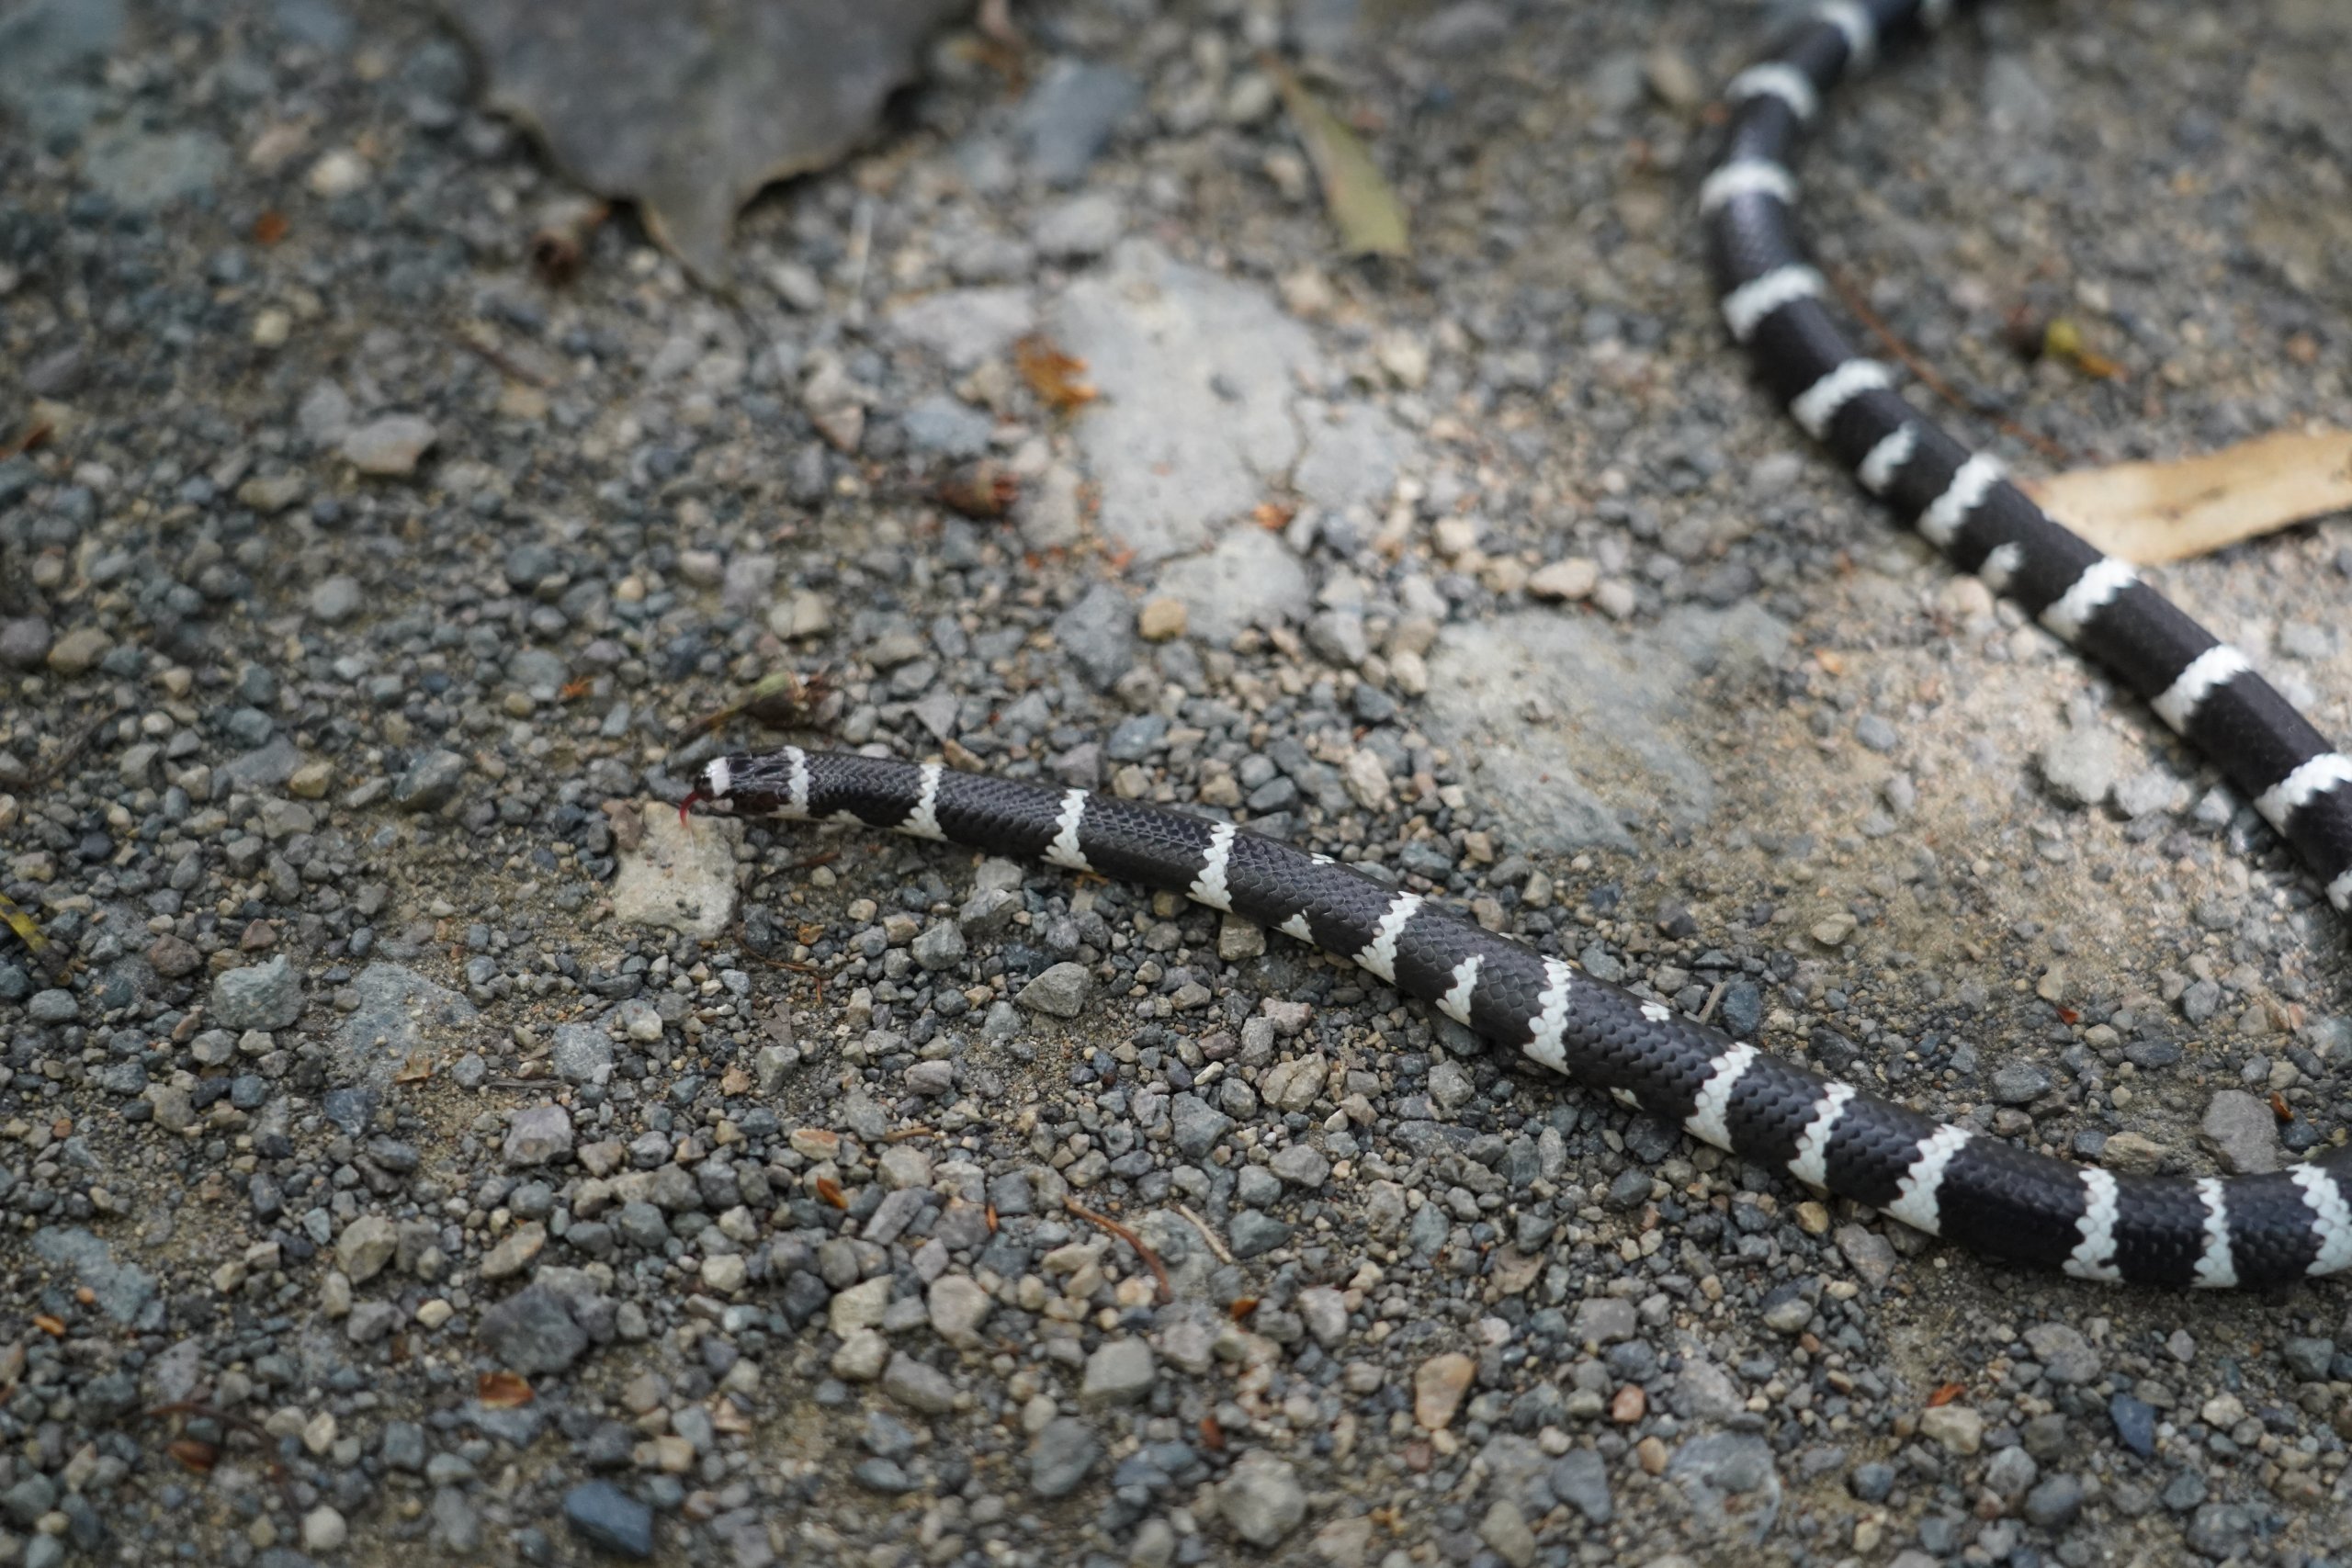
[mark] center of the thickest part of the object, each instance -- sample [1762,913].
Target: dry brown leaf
[504,1390]
[2154,512]
[1057,378]
[199,1457]
[1363,207]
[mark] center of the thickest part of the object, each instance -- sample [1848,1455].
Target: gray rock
[141,171]
[1253,1232]
[336,600]
[24,642]
[958,1306]
[1260,1498]
[266,766]
[947,427]
[400,1014]
[53,1006]
[388,447]
[1097,634]
[46,49]
[582,1052]
[677,877]
[2243,1133]
[965,327]
[260,996]
[2082,766]
[365,1247]
[1337,637]
[2055,1503]
[1069,116]
[532,1331]
[429,783]
[1719,1466]
[918,1385]
[1080,228]
[122,1290]
[609,1520]
[1196,421]
[938,947]
[1120,1371]
[2308,1359]
[1198,1125]
[1066,1449]
[536,1134]
[1580,1479]
[1618,703]
[1352,458]
[1248,579]
[2019,1083]
[1872,1255]
[1062,991]
[2066,1355]
[1604,1320]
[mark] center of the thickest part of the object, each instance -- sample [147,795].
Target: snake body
[1948,1181]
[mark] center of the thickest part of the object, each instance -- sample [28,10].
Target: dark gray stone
[609,1520]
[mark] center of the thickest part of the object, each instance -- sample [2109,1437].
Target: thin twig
[1207,1234]
[1158,1270]
[1935,383]
[73,746]
[500,361]
[1713,998]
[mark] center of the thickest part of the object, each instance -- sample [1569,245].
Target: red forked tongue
[688,805]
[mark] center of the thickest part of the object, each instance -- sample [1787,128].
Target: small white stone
[339,173]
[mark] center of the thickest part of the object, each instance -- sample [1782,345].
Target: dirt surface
[363,587]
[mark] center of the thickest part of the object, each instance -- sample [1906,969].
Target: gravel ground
[352,614]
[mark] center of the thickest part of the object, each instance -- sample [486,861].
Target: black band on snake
[1948,1181]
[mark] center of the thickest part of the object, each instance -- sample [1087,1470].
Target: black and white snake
[1945,1179]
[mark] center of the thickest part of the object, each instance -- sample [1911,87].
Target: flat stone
[142,172]
[681,875]
[260,996]
[958,1307]
[918,1385]
[1061,990]
[1120,1371]
[365,1247]
[1956,1427]
[2082,766]
[1196,421]
[1619,703]
[402,1015]
[533,1331]
[1439,1384]
[1066,1449]
[122,1290]
[429,783]
[965,327]
[24,642]
[388,447]
[582,1053]
[609,1520]
[79,650]
[1260,1498]
[536,1134]
[1248,579]
[2066,1355]
[1069,115]
[2242,1132]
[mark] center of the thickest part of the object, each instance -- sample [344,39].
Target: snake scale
[1948,1180]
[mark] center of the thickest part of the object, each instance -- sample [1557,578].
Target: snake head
[743,786]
